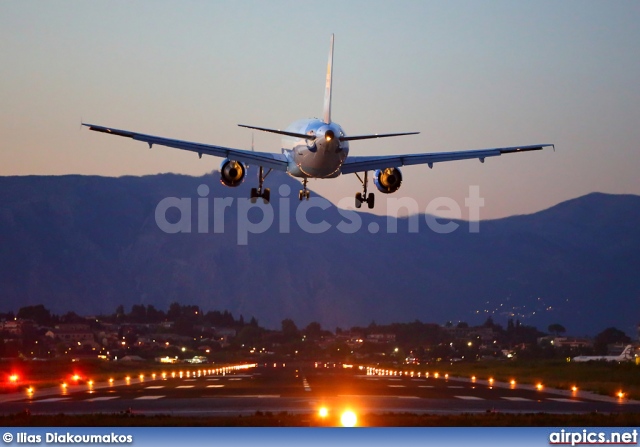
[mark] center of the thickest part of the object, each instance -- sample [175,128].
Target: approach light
[323,412]
[348,419]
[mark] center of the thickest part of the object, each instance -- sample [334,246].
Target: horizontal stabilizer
[382,135]
[282,132]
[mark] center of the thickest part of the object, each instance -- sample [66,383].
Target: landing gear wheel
[363,196]
[265,193]
[371,200]
[304,192]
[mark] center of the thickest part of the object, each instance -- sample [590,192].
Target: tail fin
[327,88]
[627,354]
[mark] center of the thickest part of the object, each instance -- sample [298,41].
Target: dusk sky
[466,74]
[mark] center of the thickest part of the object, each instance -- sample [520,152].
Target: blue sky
[466,74]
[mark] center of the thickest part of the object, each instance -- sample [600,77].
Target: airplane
[626,355]
[317,148]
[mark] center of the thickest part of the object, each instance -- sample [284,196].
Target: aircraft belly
[318,164]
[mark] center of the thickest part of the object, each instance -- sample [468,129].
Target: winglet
[327,87]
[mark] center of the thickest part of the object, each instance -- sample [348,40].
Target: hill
[88,244]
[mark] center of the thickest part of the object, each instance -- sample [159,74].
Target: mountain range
[89,244]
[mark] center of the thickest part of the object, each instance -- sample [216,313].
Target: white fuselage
[319,158]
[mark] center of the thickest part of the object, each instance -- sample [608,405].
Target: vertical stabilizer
[327,88]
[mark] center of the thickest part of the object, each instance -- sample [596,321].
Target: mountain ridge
[90,243]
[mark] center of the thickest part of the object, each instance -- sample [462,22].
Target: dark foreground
[299,420]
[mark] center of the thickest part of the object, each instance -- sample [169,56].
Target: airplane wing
[265,159]
[361,164]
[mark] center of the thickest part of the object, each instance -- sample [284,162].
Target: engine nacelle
[387,180]
[232,172]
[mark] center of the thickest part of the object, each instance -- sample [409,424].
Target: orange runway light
[539,387]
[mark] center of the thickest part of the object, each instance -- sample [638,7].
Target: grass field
[606,378]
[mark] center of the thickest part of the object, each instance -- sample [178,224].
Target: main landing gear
[304,192]
[362,197]
[265,193]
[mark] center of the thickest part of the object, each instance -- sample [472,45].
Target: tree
[488,323]
[609,336]
[313,331]
[289,330]
[38,313]
[138,314]
[556,329]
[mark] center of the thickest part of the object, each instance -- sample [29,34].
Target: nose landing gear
[304,192]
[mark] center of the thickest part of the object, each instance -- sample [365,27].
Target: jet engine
[387,180]
[232,172]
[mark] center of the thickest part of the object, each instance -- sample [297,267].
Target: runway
[304,389]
